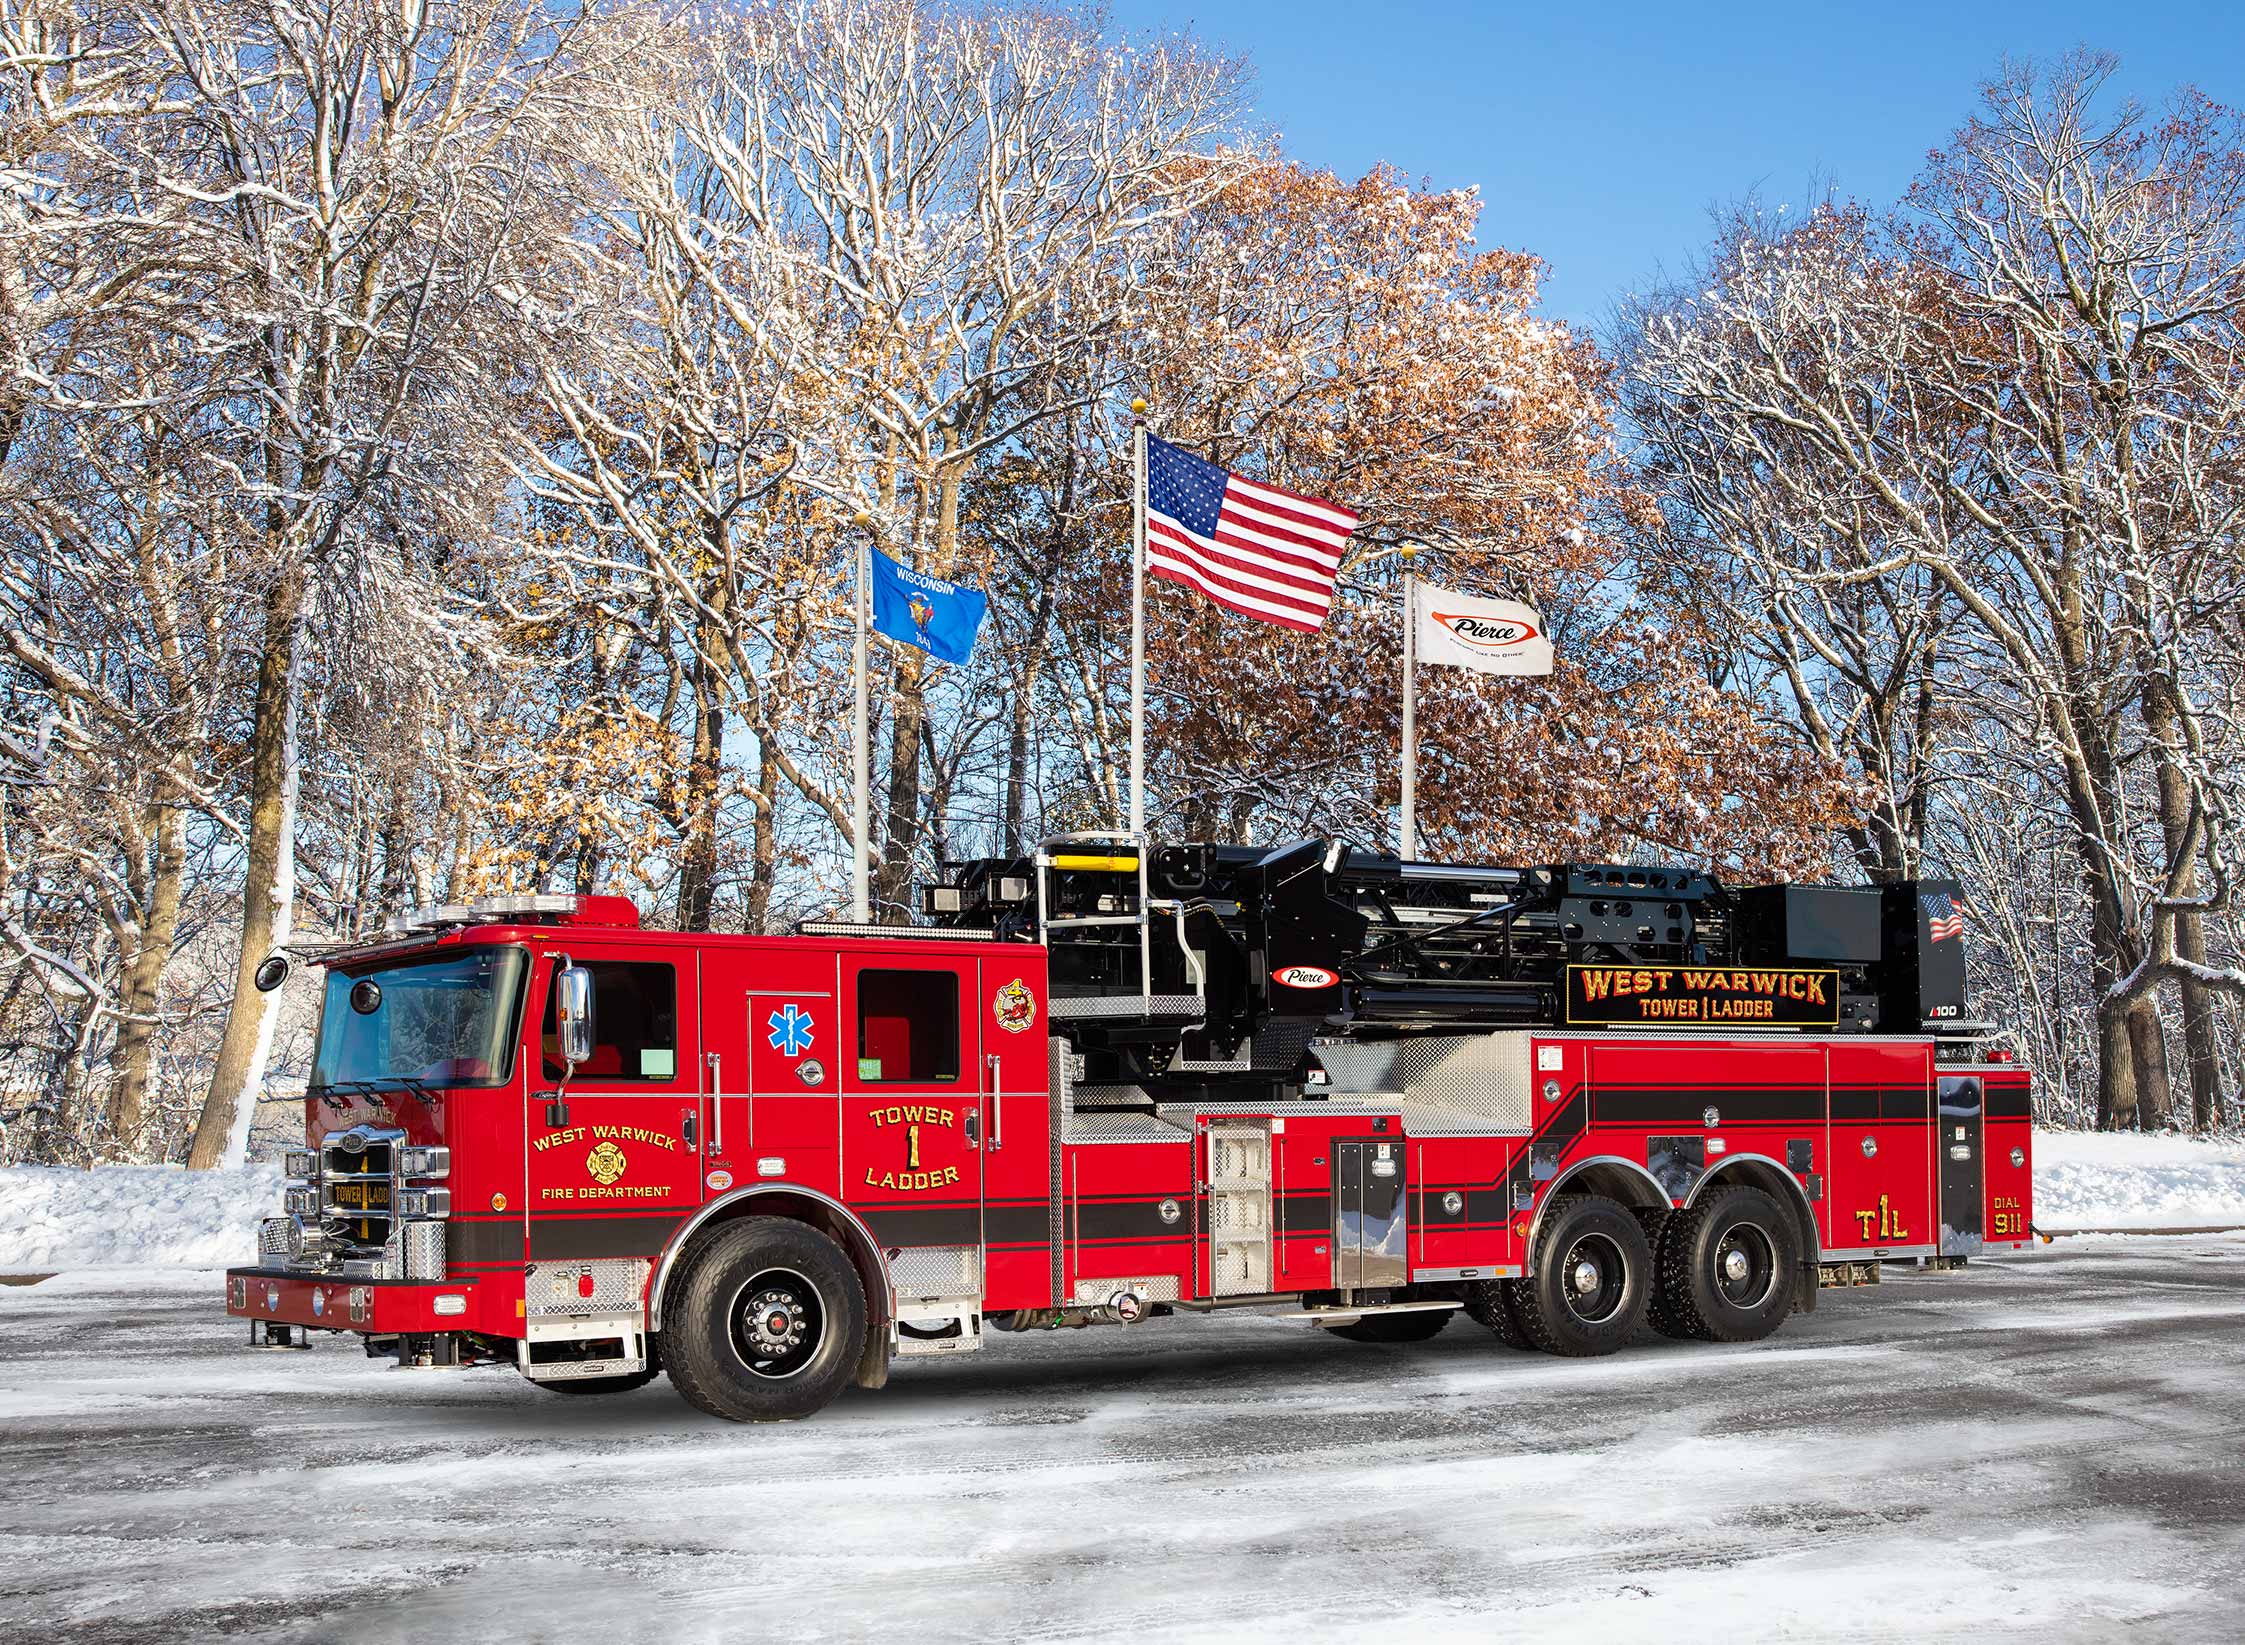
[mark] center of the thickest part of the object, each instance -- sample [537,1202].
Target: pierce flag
[939,617]
[1492,636]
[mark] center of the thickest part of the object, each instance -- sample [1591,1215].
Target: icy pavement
[2043,1448]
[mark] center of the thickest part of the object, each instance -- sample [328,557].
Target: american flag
[1249,547]
[1944,915]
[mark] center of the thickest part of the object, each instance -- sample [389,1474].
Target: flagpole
[1138,618]
[861,804]
[1410,703]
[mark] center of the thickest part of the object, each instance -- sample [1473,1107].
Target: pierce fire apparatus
[1113,1081]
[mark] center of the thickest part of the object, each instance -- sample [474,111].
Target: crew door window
[634,1021]
[907,1027]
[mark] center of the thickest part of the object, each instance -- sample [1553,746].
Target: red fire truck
[1112,1081]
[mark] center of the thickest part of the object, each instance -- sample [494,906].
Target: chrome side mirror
[573,1013]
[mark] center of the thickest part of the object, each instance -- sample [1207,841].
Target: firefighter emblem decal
[606,1163]
[1016,1007]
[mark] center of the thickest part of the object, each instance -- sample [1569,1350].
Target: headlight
[424,1162]
[424,1202]
[300,1202]
[300,1165]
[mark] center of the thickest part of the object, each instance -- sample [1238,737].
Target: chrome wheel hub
[1745,1266]
[777,1323]
[1595,1279]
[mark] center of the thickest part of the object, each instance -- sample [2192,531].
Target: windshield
[441,1021]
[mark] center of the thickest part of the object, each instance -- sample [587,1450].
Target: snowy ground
[119,1216]
[2041,1447]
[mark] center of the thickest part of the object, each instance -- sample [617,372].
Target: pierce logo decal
[1304,976]
[1015,1007]
[1487,634]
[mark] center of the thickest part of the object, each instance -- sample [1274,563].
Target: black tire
[1489,1301]
[769,1324]
[613,1385]
[1660,1312]
[1726,1267]
[1422,1326]
[1589,1278]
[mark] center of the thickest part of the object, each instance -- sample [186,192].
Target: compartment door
[1960,1145]
[1370,1234]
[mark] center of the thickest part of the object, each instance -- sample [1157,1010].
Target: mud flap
[873,1362]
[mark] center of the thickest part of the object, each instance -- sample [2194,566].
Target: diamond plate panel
[272,1243]
[948,1271]
[1125,1005]
[1122,1128]
[424,1250]
[1160,1288]
[618,1284]
[1485,1075]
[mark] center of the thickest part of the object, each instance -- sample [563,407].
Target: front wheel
[1589,1278]
[770,1325]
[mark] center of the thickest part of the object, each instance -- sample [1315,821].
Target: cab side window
[635,1024]
[907,1027]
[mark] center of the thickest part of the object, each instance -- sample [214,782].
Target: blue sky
[1599,136]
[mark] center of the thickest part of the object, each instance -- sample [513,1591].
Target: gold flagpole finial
[1138,408]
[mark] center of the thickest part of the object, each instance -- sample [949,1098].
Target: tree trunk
[269,885]
[2201,1042]
[764,850]
[697,866]
[892,879]
[143,993]
[2116,1080]
[2147,1044]
[705,771]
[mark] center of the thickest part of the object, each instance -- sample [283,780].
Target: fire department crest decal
[606,1163]
[1016,1007]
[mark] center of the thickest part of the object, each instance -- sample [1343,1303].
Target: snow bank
[2090,1179]
[147,1215]
[119,1216]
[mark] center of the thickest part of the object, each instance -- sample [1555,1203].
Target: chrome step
[1349,1316]
[958,1331]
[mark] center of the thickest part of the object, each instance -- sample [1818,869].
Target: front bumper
[377,1307]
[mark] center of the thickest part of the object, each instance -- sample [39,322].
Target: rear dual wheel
[1726,1268]
[1590,1278]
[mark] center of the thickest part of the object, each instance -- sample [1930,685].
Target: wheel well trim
[739,1198]
[1804,1212]
[1550,1192]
